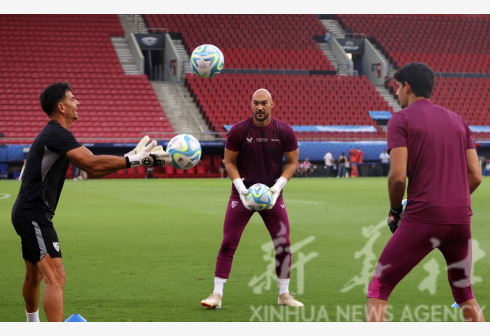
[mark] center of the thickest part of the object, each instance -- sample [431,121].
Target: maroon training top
[261,150]
[437,140]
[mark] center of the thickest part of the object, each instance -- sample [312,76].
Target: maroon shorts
[411,243]
[236,218]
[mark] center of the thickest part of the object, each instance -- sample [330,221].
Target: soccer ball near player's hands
[207,61]
[185,151]
[259,197]
[404,204]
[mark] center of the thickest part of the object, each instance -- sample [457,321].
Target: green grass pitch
[145,250]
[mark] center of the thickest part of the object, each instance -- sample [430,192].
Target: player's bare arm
[291,164]
[96,165]
[396,185]
[102,165]
[287,173]
[398,176]
[231,168]
[474,171]
[230,165]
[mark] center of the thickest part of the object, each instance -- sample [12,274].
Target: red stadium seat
[200,169]
[105,80]
[191,171]
[169,171]
[217,159]
[434,42]
[207,162]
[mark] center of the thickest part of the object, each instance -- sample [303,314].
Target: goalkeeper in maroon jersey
[253,154]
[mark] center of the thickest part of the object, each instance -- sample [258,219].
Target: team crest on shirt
[233,204]
[249,140]
[56,246]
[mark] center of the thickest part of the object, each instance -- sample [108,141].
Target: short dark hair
[52,95]
[420,77]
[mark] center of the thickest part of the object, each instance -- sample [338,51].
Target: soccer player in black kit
[42,182]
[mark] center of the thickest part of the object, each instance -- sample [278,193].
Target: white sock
[283,286]
[218,285]
[33,317]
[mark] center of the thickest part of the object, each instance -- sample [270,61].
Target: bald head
[262,94]
[261,107]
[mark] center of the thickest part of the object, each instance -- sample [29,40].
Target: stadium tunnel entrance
[153,49]
[154,64]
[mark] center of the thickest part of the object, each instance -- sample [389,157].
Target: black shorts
[37,240]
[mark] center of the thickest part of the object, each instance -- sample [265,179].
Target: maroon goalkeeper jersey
[261,150]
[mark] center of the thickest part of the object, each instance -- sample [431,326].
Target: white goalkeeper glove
[276,191]
[162,157]
[151,156]
[141,145]
[242,191]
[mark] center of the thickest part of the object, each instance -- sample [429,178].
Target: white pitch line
[4,196]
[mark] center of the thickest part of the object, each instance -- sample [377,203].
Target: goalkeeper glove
[162,157]
[242,191]
[394,217]
[276,191]
[151,156]
[141,145]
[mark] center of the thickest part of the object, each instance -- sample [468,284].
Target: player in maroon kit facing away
[253,154]
[434,147]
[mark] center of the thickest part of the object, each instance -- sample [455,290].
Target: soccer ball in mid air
[259,196]
[185,151]
[207,61]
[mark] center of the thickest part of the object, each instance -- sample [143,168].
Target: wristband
[238,183]
[396,213]
[133,161]
[281,182]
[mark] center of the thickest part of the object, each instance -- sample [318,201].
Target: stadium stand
[447,43]
[300,100]
[37,50]
[279,42]
[288,44]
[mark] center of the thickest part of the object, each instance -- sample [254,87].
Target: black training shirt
[44,175]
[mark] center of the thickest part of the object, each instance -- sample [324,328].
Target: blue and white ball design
[404,204]
[259,196]
[207,61]
[185,151]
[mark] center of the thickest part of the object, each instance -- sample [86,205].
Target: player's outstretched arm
[397,181]
[474,170]
[96,165]
[287,173]
[102,165]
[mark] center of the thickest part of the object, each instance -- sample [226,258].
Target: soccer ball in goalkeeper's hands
[259,196]
[185,151]
[207,61]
